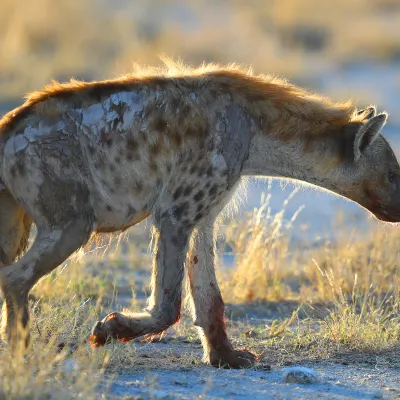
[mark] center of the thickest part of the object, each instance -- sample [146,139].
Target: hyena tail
[15,226]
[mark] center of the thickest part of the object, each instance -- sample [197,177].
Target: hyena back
[81,158]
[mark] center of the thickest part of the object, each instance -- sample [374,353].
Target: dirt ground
[171,367]
[335,382]
[158,375]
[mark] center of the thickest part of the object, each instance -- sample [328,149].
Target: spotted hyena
[87,157]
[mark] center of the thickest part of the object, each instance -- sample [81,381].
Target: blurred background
[344,49]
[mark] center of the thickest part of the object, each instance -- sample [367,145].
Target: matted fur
[287,105]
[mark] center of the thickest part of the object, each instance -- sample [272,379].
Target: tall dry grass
[356,284]
[267,266]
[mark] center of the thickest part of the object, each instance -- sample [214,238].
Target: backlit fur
[86,158]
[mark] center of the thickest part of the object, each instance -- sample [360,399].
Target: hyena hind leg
[166,297]
[207,303]
[50,248]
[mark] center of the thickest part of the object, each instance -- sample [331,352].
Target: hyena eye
[391,177]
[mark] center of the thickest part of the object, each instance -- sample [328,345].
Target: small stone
[299,375]
[251,333]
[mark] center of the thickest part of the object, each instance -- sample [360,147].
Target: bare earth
[170,368]
[335,381]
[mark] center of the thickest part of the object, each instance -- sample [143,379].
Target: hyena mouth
[386,214]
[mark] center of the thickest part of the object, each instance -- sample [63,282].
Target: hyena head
[372,170]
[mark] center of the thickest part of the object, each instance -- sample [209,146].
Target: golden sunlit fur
[290,109]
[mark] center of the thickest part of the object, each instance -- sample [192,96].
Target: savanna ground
[334,306]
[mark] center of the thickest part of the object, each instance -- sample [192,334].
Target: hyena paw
[233,359]
[114,326]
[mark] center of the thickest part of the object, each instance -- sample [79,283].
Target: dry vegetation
[331,304]
[336,303]
[44,39]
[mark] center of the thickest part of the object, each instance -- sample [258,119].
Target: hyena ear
[367,133]
[368,112]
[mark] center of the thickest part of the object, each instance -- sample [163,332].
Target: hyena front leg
[165,300]
[207,303]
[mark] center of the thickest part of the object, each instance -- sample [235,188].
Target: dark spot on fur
[139,186]
[175,101]
[115,124]
[132,144]
[199,207]
[193,131]
[129,156]
[213,190]
[180,210]
[184,113]
[199,195]
[198,216]
[91,150]
[187,191]
[195,260]
[176,137]
[131,211]
[193,169]
[178,193]
[154,149]
[201,171]
[160,125]
[153,166]
[176,240]
[13,171]
[21,167]
[109,142]
[210,171]
[108,207]
[117,160]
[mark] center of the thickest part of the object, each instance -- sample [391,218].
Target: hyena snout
[386,208]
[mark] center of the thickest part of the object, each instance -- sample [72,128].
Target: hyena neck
[317,162]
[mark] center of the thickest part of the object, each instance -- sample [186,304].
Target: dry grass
[268,267]
[333,304]
[43,39]
[344,300]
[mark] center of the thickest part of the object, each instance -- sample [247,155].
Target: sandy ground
[204,382]
[172,369]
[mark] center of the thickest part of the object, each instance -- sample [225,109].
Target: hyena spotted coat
[87,157]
